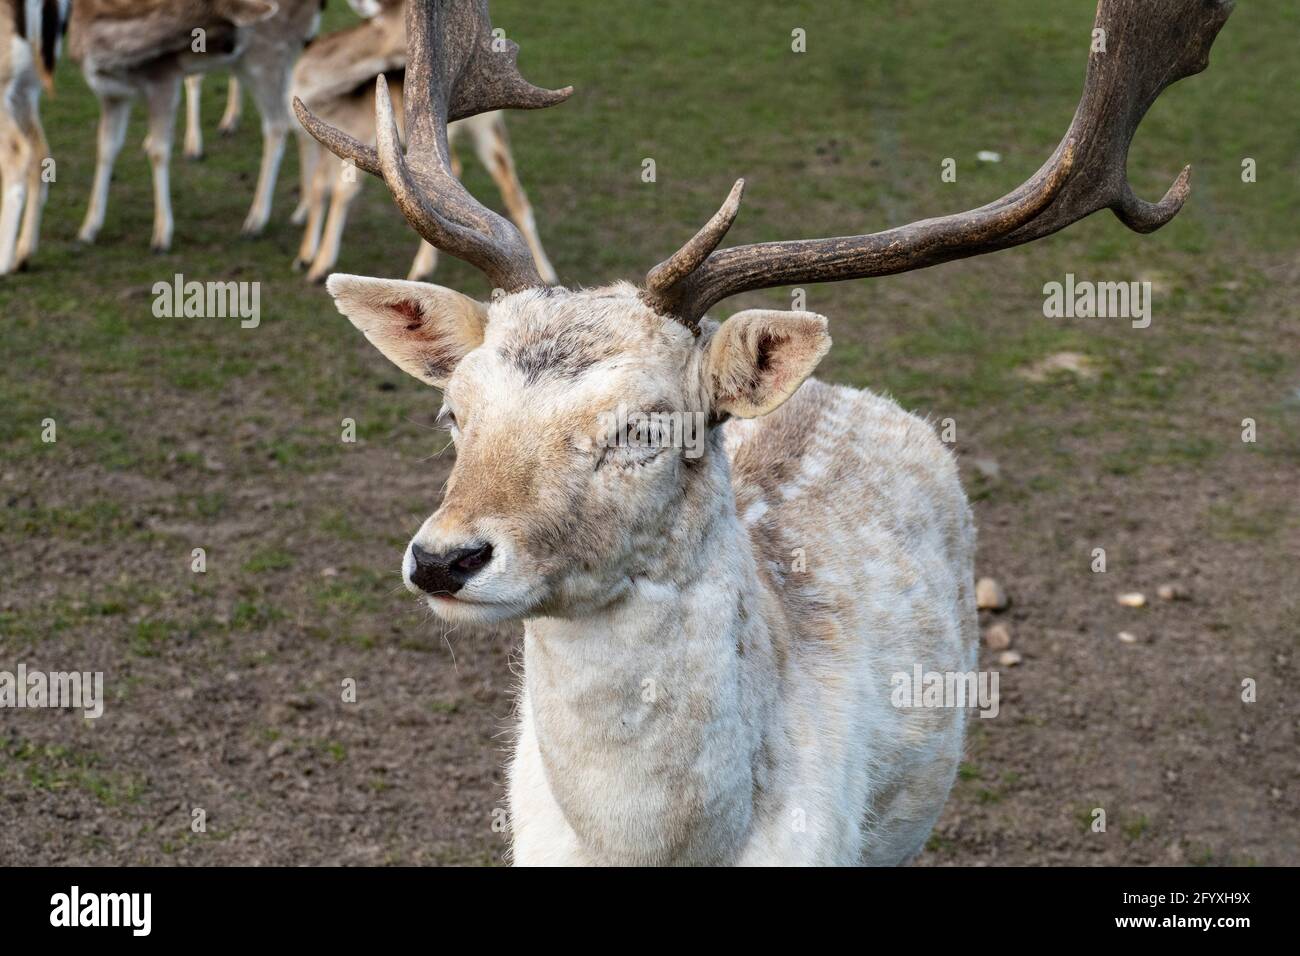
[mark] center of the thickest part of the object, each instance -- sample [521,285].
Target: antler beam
[455,68]
[1144,46]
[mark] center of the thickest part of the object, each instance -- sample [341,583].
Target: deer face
[582,423]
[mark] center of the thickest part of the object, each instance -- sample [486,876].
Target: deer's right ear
[423,329]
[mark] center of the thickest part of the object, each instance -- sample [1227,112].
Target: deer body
[728,709]
[709,641]
[29,41]
[131,48]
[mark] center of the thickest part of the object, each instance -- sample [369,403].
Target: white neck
[650,714]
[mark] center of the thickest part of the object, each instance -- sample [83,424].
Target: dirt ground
[224,688]
[243,717]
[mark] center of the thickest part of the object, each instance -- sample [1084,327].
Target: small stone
[988,467]
[329,572]
[989,595]
[997,637]
[277,749]
[988,156]
[1133,599]
[1128,638]
[1172,592]
[1009,659]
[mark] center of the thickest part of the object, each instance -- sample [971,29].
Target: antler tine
[455,69]
[336,141]
[1140,48]
[689,257]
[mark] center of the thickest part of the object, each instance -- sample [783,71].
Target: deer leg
[316,194]
[193,123]
[270,84]
[15,154]
[426,260]
[234,108]
[492,145]
[113,115]
[163,95]
[37,186]
[328,254]
[309,156]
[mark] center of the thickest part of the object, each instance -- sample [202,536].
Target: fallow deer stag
[128,48]
[690,693]
[335,80]
[30,35]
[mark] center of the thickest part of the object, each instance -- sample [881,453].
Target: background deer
[129,48]
[233,112]
[30,36]
[226,126]
[708,641]
[335,79]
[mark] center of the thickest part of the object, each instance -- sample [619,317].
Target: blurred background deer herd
[179,433]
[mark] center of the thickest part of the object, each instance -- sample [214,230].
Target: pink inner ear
[412,311]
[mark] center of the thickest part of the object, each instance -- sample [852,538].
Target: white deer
[335,80]
[711,639]
[30,35]
[129,48]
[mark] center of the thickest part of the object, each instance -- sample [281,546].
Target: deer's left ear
[423,329]
[757,358]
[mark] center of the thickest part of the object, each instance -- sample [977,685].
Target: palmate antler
[455,68]
[1149,44]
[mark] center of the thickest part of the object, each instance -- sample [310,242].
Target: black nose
[447,573]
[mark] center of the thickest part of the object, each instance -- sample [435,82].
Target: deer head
[548,508]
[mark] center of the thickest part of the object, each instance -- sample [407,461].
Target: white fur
[697,689]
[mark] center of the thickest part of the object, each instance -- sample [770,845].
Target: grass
[56,768]
[867,156]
